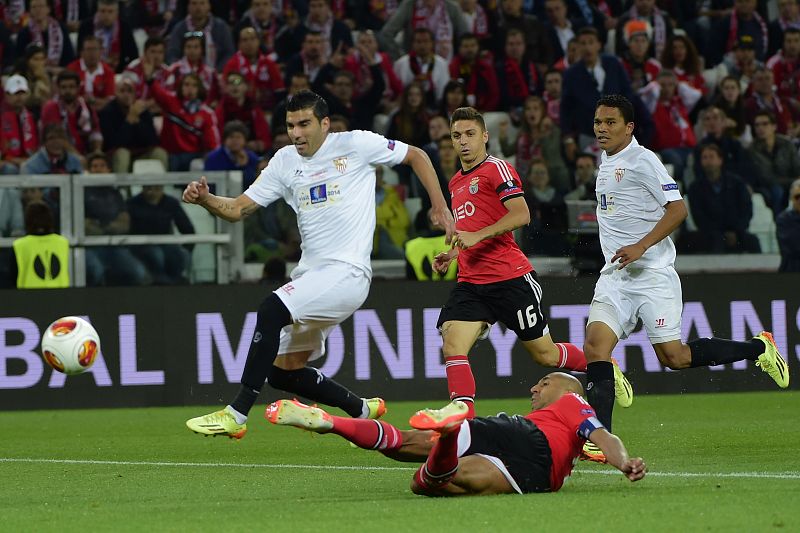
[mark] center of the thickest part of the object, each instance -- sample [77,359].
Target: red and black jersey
[477,197]
[566,423]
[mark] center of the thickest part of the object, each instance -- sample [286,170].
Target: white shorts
[318,299]
[621,297]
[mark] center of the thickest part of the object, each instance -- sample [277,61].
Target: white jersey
[632,189]
[332,192]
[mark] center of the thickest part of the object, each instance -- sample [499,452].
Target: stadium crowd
[196,84]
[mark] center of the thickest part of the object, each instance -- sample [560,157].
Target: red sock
[571,357]
[460,381]
[442,462]
[368,434]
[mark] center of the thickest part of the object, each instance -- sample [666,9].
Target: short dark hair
[620,102]
[235,126]
[791,30]
[39,219]
[583,155]
[426,31]
[341,118]
[154,40]
[306,99]
[97,155]
[714,147]
[467,113]
[54,128]
[588,30]
[468,37]
[91,37]
[68,75]
[764,113]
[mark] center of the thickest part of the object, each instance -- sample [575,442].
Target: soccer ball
[70,345]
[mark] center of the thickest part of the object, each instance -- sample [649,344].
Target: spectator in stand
[734,155]
[560,29]
[599,14]
[763,98]
[776,157]
[129,132]
[234,153]
[572,56]
[339,124]
[538,138]
[335,33]
[47,32]
[442,18]
[97,78]
[262,74]
[544,235]
[681,57]
[217,38]
[267,23]
[373,15]
[192,63]
[153,16]
[785,67]
[299,81]
[584,82]
[41,240]
[154,52]
[517,75]
[18,135]
[236,104]
[742,63]
[409,123]
[391,221]
[640,66]
[421,251]
[312,61]
[584,179]
[670,102]
[477,20]
[106,214]
[730,100]
[553,83]
[8,52]
[115,37]
[154,213]
[73,112]
[660,22]
[422,65]
[54,156]
[438,127]
[788,17]
[511,15]
[358,63]
[455,96]
[744,20]
[359,111]
[788,232]
[190,127]
[721,207]
[475,70]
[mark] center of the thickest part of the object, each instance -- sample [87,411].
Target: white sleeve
[269,185]
[657,181]
[378,150]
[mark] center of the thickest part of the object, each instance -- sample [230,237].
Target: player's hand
[442,261]
[466,239]
[196,192]
[628,254]
[443,218]
[634,469]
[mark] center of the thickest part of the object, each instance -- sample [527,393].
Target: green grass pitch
[721,462]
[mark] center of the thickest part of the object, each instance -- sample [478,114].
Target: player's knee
[272,313]
[595,352]
[545,356]
[676,359]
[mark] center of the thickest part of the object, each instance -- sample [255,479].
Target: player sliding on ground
[638,207]
[485,455]
[329,180]
[496,282]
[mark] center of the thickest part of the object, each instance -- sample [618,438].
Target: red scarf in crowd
[438,21]
[72,13]
[55,39]
[111,43]
[425,78]
[517,87]
[733,31]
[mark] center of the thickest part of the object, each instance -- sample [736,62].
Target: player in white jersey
[638,206]
[329,180]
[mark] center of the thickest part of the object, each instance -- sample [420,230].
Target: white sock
[240,418]
[364,409]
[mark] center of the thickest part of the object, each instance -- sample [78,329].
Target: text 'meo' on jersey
[477,197]
[632,189]
[332,192]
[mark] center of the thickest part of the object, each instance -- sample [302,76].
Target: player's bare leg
[476,476]
[556,355]
[458,337]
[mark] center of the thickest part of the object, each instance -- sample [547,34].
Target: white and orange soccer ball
[70,345]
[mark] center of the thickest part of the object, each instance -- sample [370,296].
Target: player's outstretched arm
[616,454]
[230,209]
[674,213]
[440,214]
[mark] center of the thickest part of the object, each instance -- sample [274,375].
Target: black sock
[714,351]
[600,390]
[272,317]
[310,383]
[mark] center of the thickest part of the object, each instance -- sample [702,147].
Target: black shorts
[519,444]
[516,303]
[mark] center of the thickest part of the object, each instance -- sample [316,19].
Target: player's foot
[218,423]
[441,420]
[376,406]
[591,452]
[623,391]
[771,360]
[299,415]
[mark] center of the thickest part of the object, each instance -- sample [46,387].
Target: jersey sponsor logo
[340,163]
[619,173]
[391,144]
[467,209]
[607,203]
[669,187]
[319,194]
[473,185]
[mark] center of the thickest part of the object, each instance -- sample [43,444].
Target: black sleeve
[181,219]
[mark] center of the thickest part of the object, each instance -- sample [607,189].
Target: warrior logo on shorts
[340,163]
[660,322]
[473,185]
[618,174]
